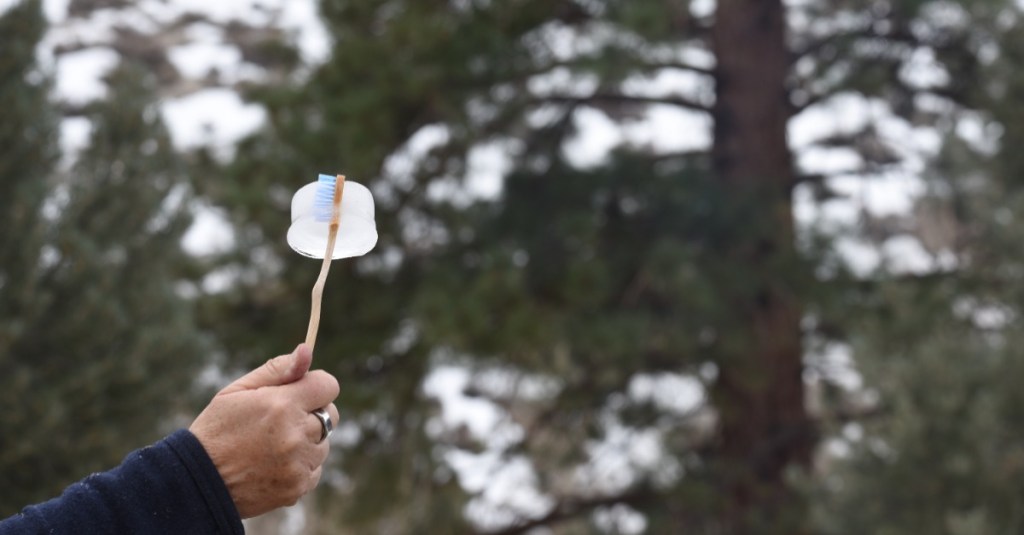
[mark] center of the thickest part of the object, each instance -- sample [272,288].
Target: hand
[262,436]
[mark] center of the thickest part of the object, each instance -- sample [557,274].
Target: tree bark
[764,428]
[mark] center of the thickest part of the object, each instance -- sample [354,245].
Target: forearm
[170,487]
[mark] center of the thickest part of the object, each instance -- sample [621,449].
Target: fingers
[301,485]
[314,479]
[335,417]
[317,389]
[262,438]
[318,455]
[316,429]
[281,370]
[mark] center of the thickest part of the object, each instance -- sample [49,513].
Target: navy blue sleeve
[171,487]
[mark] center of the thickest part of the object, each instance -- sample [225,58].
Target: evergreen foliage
[97,347]
[585,283]
[941,352]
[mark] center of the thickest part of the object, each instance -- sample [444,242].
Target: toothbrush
[326,208]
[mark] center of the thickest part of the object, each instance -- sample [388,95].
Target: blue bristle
[323,202]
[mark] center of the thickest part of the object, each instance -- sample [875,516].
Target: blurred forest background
[711,328]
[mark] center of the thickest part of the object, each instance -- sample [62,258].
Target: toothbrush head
[357,230]
[327,201]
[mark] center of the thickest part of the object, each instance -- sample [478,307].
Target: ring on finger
[326,427]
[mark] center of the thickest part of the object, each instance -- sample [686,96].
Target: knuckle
[323,451]
[327,382]
[279,407]
[275,404]
[299,480]
[291,443]
[314,481]
[273,365]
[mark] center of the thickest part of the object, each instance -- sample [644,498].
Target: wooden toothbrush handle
[318,289]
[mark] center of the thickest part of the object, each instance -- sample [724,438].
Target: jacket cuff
[207,480]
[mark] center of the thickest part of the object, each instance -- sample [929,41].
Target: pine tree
[99,350]
[941,351]
[685,266]
[29,139]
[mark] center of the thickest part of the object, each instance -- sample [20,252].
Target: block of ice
[357,230]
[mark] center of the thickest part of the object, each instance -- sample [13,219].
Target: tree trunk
[764,429]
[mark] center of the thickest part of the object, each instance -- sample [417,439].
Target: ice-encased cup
[357,230]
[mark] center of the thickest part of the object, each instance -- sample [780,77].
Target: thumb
[276,371]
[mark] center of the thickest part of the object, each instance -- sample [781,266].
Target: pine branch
[690,154]
[900,35]
[869,30]
[606,98]
[817,45]
[815,98]
[679,65]
[571,508]
[587,62]
[944,92]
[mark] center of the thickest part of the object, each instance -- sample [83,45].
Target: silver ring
[326,428]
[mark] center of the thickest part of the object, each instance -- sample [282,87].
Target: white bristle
[323,202]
